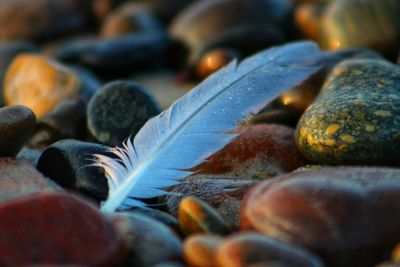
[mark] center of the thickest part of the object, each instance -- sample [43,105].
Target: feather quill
[197,124]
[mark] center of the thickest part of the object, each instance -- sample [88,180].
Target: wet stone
[196,216]
[343,214]
[119,110]
[67,162]
[214,60]
[66,229]
[353,23]
[39,83]
[8,52]
[16,125]
[355,119]
[148,241]
[245,249]
[129,18]
[199,250]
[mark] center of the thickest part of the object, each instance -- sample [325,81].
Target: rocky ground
[312,180]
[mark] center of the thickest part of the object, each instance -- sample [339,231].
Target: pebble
[245,249]
[202,22]
[8,52]
[57,229]
[223,194]
[213,60]
[308,18]
[283,116]
[129,18]
[19,179]
[199,250]
[39,83]
[148,241]
[66,121]
[119,110]
[39,20]
[353,23]
[259,152]
[344,214]
[196,216]
[16,125]
[166,10]
[118,55]
[67,162]
[355,118]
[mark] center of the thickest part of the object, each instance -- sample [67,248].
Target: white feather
[196,125]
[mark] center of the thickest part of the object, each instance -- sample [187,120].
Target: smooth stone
[368,23]
[16,126]
[39,83]
[245,39]
[40,20]
[129,18]
[148,241]
[19,179]
[8,51]
[343,214]
[259,152]
[246,249]
[224,194]
[355,119]
[157,215]
[286,116]
[213,60]
[199,250]
[196,216]
[66,121]
[202,22]
[57,229]
[68,163]
[118,111]
[113,56]
[308,18]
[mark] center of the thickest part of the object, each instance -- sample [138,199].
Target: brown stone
[199,250]
[196,216]
[40,20]
[345,214]
[245,249]
[260,151]
[39,83]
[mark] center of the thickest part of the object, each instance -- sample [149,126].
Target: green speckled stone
[356,117]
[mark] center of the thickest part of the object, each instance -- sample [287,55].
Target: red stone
[56,229]
[259,150]
[348,215]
